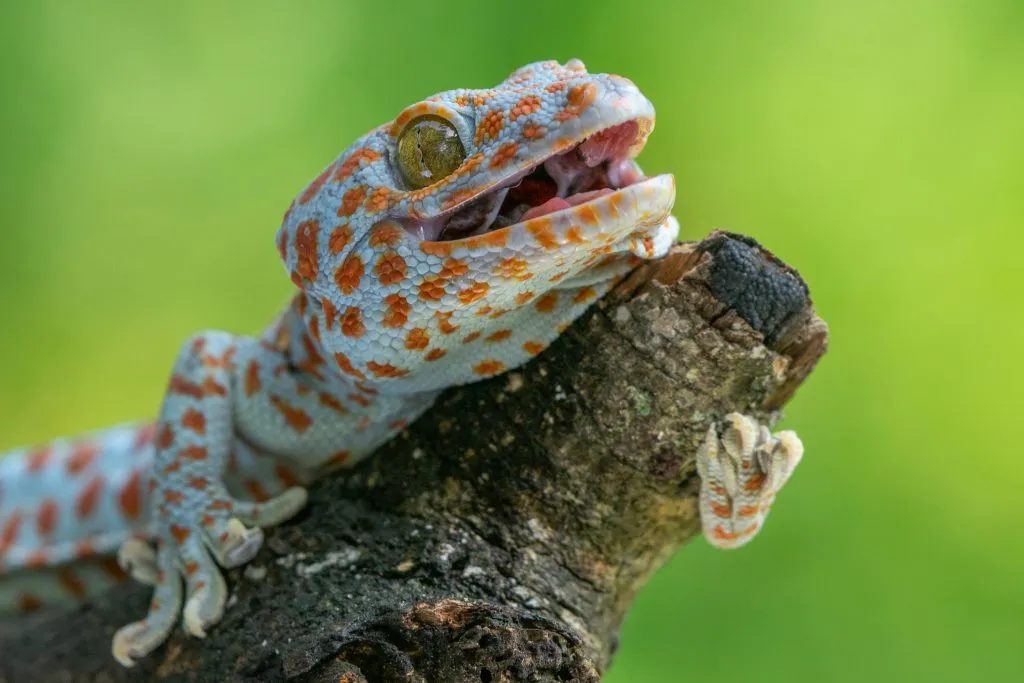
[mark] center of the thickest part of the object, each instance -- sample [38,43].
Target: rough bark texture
[505,535]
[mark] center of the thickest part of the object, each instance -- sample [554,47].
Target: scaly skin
[387,315]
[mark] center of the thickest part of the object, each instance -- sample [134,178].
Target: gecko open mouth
[595,167]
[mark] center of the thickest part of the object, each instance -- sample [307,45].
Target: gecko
[447,246]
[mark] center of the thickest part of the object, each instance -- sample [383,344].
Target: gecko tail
[65,509]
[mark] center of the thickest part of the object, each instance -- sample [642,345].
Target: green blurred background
[149,151]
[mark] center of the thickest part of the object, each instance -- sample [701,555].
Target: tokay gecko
[447,246]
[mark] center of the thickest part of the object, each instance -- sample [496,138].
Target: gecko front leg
[742,465]
[198,523]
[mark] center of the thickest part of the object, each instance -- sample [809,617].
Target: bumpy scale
[447,246]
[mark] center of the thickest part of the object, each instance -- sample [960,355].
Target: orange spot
[511,268]
[353,162]
[194,420]
[165,439]
[171,467]
[476,291]
[315,186]
[500,335]
[221,505]
[555,87]
[252,383]
[173,497]
[471,337]
[351,200]
[748,511]
[191,567]
[347,275]
[721,534]
[533,131]
[211,387]
[721,510]
[287,478]
[458,197]
[498,312]
[378,200]
[366,389]
[129,498]
[524,107]
[338,459]
[84,548]
[390,268]
[193,453]
[452,268]
[584,295]
[483,310]
[504,154]
[38,458]
[754,484]
[85,502]
[489,367]
[417,339]
[339,239]
[443,322]
[28,603]
[71,583]
[330,314]
[82,455]
[282,244]
[198,483]
[37,559]
[296,418]
[10,531]
[385,369]
[180,533]
[432,288]
[574,235]
[588,214]
[46,522]
[360,400]
[144,436]
[533,348]
[352,323]
[346,366]
[306,248]
[180,385]
[385,235]
[541,230]
[547,303]
[523,298]
[398,311]
[490,125]
[437,248]
[436,354]
[332,403]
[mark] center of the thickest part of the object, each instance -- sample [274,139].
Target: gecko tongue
[557,203]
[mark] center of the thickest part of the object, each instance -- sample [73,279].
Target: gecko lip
[595,167]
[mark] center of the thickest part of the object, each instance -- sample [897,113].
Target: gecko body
[447,246]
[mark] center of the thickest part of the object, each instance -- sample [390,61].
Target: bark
[504,536]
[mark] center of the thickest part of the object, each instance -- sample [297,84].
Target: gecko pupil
[429,150]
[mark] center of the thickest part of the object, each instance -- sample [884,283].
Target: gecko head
[477,224]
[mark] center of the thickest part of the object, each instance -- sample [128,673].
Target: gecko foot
[742,466]
[193,555]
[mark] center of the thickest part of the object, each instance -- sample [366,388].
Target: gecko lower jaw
[593,168]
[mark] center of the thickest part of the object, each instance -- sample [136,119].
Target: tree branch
[504,536]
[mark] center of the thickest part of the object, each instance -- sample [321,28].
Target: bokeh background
[149,150]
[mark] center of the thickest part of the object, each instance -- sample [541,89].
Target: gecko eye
[429,149]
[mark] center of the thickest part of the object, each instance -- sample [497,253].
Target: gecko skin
[447,246]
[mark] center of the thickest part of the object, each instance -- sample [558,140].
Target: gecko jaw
[595,167]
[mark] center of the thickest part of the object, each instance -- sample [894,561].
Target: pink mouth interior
[596,167]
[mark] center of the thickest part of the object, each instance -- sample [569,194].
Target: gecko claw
[741,470]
